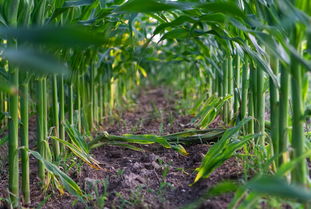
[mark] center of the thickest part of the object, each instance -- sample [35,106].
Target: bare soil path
[156,178]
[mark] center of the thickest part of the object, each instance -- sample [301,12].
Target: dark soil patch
[155,178]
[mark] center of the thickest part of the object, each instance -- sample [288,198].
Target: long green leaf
[33,61]
[70,185]
[146,6]
[222,150]
[69,36]
[6,86]
[277,186]
[77,3]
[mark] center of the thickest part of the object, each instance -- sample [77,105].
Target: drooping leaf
[278,186]
[70,185]
[176,34]
[33,61]
[146,6]
[6,86]
[177,22]
[222,150]
[216,190]
[146,138]
[77,3]
[180,149]
[80,153]
[226,8]
[76,137]
[128,146]
[69,36]
[210,109]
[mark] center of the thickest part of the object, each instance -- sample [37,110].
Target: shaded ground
[156,178]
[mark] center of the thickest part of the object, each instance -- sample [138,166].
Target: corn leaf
[226,8]
[69,37]
[278,186]
[33,61]
[146,6]
[222,150]
[80,153]
[70,185]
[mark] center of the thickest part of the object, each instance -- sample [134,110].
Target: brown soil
[155,178]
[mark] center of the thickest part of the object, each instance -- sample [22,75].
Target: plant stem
[61,108]
[260,94]
[299,173]
[40,127]
[274,109]
[71,104]
[236,84]
[251,101]
[244,90]
[283,127]
[24,141]
[225,89]
[13,141]
[56,145]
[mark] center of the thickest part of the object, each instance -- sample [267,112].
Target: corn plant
[71,63]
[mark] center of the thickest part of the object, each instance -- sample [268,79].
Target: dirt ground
[155,178]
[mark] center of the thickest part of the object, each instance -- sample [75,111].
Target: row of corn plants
[61,61]
[231,56]
[243,52]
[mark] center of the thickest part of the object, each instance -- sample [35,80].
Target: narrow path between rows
[155,178]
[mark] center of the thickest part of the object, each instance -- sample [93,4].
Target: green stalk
[61,108]
[85,105]
[251,101]
[283,127]
[56,146]
[254,92]
[24,141]
[244,92]
[260,95]
[13,141]
[71,104]
[225,89]
[236,84]
[210,85]
[299,174]
[105,97]
[91,109]
[40,127]
[218,86]
[45,109]
[1,107]
[230,89]
[12,9]
[101,98]
[79,105]
[95,109]
[13,6]
[274,109]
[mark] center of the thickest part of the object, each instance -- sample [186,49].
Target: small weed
[137,196]
[99,192]
[135,200]
[182,170]
[43,202]
[163,187]
[120,172]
